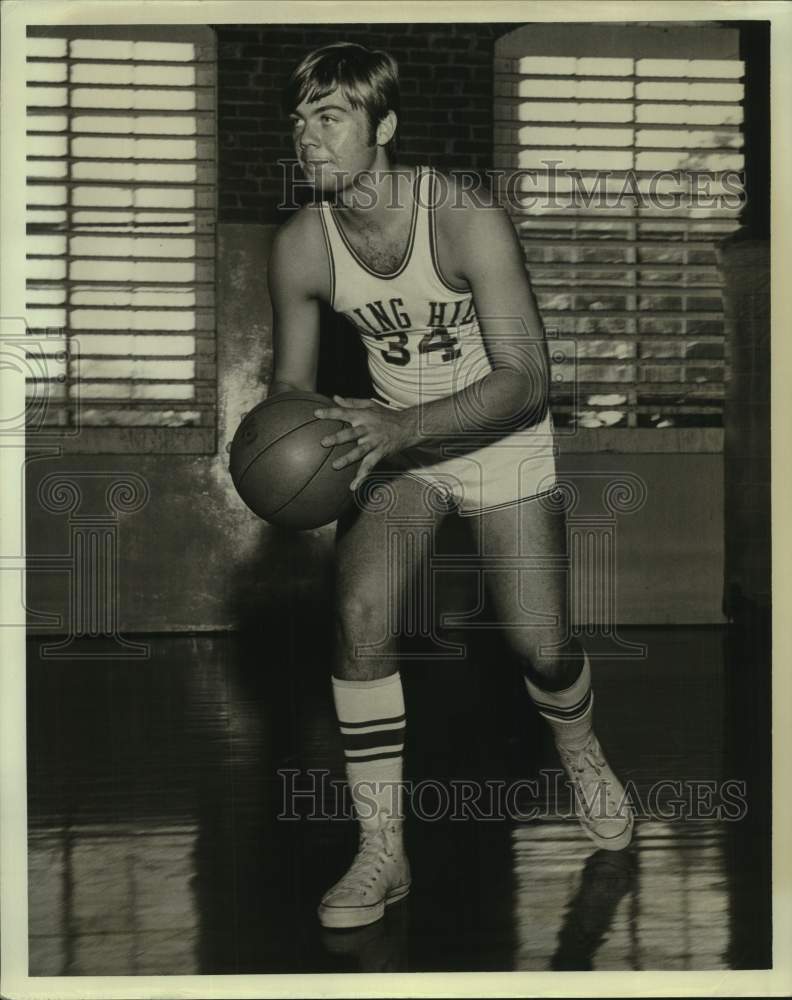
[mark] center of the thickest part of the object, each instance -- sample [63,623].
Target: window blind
[625,175]
[121,235]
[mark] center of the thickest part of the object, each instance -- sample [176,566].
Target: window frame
[151,438]
[645,41]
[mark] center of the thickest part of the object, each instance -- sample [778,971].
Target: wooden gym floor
[155,786]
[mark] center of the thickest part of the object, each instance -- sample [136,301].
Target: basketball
[280,468]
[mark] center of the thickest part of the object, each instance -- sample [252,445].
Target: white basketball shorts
[472,480]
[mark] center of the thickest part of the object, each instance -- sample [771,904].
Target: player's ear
[386,128]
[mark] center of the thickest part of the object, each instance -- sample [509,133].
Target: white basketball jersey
[421,334]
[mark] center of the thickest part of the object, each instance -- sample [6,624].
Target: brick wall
[446,84]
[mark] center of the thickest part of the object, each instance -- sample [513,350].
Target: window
[623,145]
[121,235]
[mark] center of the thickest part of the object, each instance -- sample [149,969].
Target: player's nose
[308,138]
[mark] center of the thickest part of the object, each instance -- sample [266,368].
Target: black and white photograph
[390,574]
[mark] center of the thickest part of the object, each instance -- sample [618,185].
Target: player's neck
[380,198]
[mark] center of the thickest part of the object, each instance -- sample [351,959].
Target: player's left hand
[378,430]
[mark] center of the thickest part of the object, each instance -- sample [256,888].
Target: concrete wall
[669,552]
[746,265]
[194,558]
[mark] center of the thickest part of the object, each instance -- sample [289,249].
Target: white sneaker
[600,802]
[379,876]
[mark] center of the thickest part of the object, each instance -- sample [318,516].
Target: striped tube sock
[372,722]
[568,711]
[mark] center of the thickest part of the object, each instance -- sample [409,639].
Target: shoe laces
[375,851]
[588,757]
[587,766]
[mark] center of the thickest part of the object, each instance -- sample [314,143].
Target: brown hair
[367,78]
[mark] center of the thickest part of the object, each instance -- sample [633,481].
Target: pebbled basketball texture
[280,468]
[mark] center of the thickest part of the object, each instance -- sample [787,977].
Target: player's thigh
[529,590]
[381,541]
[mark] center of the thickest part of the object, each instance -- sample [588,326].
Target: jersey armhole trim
[330,258]
[433,239]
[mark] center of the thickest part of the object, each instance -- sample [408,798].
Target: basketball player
[437,288]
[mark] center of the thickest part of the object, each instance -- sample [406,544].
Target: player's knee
[359,614]
[539,655]
[553,668]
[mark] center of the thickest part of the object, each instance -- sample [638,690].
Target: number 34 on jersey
[391,326]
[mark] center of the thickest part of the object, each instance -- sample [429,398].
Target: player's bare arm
[297,282]
[484,252]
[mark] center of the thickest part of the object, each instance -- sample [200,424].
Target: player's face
[332,141]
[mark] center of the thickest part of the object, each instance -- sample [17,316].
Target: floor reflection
[110,900]
[379,947]
[607,878]
[156,847]
[661,904]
